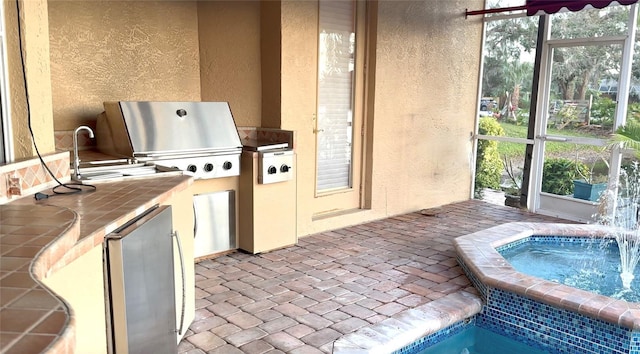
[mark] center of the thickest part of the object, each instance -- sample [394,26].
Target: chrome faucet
[76,158]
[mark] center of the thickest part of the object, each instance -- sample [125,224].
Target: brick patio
[302,298]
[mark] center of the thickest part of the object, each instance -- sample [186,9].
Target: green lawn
[515,150]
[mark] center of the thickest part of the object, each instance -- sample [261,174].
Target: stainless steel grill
[199,138]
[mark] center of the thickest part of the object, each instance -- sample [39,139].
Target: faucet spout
[76,157]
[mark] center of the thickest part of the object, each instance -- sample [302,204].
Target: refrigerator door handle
[195,220]
[184,281]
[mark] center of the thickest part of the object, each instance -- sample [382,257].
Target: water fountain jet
[624,221]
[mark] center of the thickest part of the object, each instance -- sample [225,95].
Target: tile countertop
[39,237]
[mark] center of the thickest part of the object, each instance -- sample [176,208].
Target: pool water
[476,340]
[588,265]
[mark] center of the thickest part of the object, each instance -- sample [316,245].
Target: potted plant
[591,184]
[513,184]
[587,190]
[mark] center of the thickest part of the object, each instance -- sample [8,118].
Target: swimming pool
[427,323]
[477,340]
[439,321]
[466,337]
[541,312]
[544,315]
[584,263]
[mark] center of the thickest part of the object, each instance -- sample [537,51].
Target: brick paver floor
[302,298]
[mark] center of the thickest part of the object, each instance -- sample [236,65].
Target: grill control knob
[181,113]
[285,168]
[272,170]
[208,167]
[192,168]
[227,165]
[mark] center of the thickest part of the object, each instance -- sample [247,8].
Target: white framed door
[569,142]
[340,106]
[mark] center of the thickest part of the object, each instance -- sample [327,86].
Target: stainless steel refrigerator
[139,276]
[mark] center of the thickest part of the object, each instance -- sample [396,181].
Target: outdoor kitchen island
[56,244]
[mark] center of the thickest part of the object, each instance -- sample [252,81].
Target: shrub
[633,112]
[558,175]
[522,117]
[602,111]
[488,162]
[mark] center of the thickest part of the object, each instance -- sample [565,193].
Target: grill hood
[151,130]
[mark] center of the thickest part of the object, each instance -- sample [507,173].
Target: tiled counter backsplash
[29,176]
[267,134]
[64,140]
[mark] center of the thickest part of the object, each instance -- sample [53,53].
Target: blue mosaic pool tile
[553,330]
[544,327]
[436,337]
[557,240]
[513,244]
[548,328]
[635,343]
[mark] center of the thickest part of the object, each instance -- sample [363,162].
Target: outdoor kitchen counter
[37,238]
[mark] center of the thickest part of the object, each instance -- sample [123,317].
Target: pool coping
[478,253]
[410,325]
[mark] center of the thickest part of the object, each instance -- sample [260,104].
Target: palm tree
[517,74]
[628,136]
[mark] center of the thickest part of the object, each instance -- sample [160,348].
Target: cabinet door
[215,228]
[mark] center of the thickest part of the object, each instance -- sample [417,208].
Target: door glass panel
[509,53]
[581,98]
[6,154]
[610,21]
[335,95]
[2,139]
[571,169]
[499,171]
[492,4]
[629,158]
[581,113]
[633,104]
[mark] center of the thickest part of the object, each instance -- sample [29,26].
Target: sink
[92,172]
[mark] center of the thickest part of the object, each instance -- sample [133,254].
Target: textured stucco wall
[230,56]
[427,71]
[118,51]
[427,65]
[299,27]
[270,52]
[35,34]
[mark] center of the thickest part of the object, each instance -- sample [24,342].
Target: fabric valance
[553,6]
[539,7]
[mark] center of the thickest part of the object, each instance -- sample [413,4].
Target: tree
[506,42]
[518,74]
[576,69]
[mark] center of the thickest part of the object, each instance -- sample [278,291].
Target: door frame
[561,206]
[351,198]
